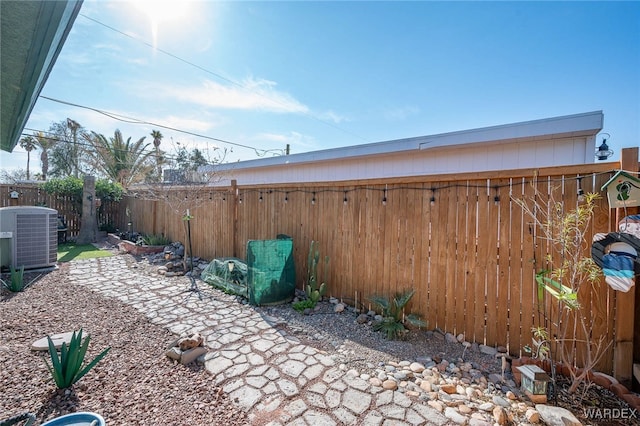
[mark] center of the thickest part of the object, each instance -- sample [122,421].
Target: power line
[88,144]
[126,119]
[221,77]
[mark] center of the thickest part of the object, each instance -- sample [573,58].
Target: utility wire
[88,144]
[221,77]
[126,119]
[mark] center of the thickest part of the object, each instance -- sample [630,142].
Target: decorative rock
[390,385]
[190,342]
[498,400]
[495,378]
[511,396]
[401,375]
[454,416]
[58,339]
[460,338]
[532,416]
[450,338]
[556,416]
[602,380]
[500,416]
[362,319]
[536,399]
[618,389]
[374,381]
[464,409]
[487,406]
[488,350]
[448,388]
[174,353]
[191,355]
[426,386]
[478,422]
[416,367]
[339,308]
[437,405]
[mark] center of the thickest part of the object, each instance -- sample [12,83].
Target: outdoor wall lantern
[603,152]
[534,379]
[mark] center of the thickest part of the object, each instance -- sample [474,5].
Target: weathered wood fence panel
[109,212]
[463,244]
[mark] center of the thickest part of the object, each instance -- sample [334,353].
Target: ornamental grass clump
[393,316]
[154,240]
[66,369]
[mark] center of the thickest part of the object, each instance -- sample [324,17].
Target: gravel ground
[135,384]
[361,348]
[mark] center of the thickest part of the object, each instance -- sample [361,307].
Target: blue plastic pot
[77,419]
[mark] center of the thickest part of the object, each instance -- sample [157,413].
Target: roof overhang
[32,34]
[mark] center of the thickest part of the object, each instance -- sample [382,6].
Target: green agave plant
[16,282]
[392,324]
[67,369]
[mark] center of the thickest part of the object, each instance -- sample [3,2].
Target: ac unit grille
[36,240]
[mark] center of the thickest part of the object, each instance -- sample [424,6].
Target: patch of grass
[71,251]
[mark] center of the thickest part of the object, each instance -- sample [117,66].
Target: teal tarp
[272,274]
[268,277]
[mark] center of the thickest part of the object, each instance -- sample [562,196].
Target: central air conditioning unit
[28,237]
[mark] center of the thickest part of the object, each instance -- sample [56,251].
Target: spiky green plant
[314,290]
[16,282]
[67,368]
[301,305]
[155,240]
[393,317]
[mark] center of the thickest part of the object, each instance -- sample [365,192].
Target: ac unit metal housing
[28,237]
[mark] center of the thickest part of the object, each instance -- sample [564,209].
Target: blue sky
[318,75]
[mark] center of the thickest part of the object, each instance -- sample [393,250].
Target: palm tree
[122,161]
[157,139]
[45,144]
[29,144]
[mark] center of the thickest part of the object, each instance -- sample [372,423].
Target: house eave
[569,126]
[33,33]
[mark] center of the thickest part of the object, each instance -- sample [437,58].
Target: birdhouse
[534,379]
[623,190]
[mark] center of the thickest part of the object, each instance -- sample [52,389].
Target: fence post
[626,319]
[234,226]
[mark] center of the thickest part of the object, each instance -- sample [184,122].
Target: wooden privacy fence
[461,242]
[29,194]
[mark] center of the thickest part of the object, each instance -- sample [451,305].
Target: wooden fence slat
[472,262]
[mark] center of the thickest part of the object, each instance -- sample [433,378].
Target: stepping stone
[58,340]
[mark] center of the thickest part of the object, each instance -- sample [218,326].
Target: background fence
[69,207]
[461,242]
